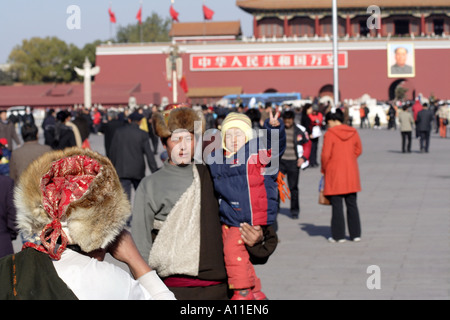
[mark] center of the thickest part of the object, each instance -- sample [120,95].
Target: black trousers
[127,183]
[337,216]
[406,141]
[424,140]
[292,172]
[313,155]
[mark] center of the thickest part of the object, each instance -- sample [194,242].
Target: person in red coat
[341,149]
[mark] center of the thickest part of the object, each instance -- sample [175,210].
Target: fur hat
[88,208]
[168,121]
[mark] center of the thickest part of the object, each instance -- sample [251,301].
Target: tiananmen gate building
[382,44]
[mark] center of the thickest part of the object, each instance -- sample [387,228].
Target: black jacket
[59,136]
[128,147]
[424,119]
[109,129]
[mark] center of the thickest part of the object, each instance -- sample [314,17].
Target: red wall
[366,73]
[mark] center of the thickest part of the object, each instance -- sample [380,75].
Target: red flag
[174,14]
[139,15]
[207,13]
[184,85]
[112,16]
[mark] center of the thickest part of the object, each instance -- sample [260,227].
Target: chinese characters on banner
[264,61]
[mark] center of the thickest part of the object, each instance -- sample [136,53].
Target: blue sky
[24,19]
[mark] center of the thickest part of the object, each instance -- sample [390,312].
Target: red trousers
[442,128]
[240,271]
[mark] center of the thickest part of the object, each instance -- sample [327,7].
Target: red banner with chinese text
[266,61]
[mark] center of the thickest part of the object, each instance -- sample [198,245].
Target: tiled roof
[65,94]
[220,28]
[250,5]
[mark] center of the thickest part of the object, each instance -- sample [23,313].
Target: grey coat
[23,156]
[8,131]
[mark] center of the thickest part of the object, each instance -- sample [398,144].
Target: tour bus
[252,100]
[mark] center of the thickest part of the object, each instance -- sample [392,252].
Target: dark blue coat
[8,231]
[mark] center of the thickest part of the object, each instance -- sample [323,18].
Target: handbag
[316,132]
[445,122]
[323,200]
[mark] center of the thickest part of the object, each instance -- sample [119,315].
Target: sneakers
[248,295]
[331,240]
[243,295]
[357,239]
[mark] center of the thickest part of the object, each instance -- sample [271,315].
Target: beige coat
[406,121]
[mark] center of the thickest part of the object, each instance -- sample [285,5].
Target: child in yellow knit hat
[246,195]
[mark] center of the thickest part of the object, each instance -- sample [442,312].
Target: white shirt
[90,279]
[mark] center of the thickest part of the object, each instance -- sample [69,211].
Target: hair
[338,115]
[306,107]
[164,140]
[395,51]
[288,114]
[29,132]
[253,114]
[62,115]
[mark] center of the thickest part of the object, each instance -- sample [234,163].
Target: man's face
[401,56]
[180,147]
[288,122]
[234,139]
[3,116]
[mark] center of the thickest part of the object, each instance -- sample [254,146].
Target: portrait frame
[408,70]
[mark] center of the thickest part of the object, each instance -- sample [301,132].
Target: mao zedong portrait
[400,66]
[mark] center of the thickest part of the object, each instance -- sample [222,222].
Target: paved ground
[405,215]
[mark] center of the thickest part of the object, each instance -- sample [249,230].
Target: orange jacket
[341,149]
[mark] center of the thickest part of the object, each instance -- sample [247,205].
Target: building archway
[410,94]
[328,91]
[271,90]
[393,87]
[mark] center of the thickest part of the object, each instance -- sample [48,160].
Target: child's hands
[273,119]
[251,234]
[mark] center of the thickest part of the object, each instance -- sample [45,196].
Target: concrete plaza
[405,214]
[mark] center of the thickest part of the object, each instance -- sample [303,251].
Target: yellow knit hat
[237,120]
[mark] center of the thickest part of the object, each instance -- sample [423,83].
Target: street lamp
[174,69]
[335,56]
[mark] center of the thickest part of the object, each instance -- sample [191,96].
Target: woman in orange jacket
[341,149]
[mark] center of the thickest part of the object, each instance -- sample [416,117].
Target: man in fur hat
[73,202]
[176,222]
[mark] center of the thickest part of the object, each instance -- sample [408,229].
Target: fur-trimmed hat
[168,121]
[73,194]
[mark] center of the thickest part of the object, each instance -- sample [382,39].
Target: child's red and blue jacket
[246,183]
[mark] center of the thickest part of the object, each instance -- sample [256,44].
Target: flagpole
[204,25]
[110,23]
[335,57]
[140,24]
